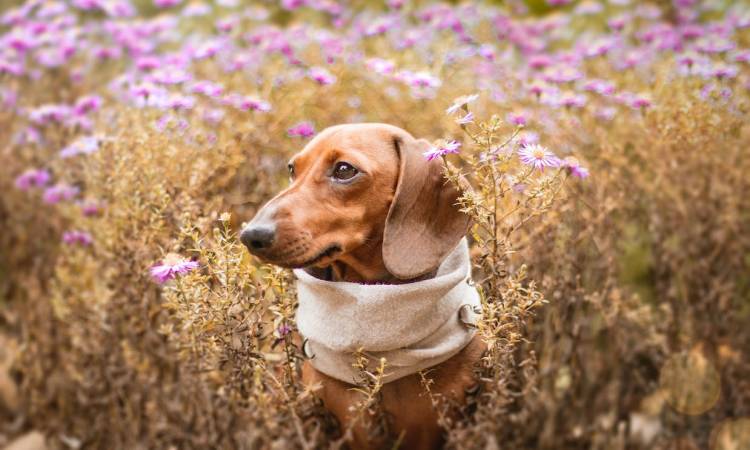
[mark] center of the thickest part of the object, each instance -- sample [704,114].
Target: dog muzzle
[414,326]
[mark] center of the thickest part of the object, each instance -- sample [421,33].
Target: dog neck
[364,265]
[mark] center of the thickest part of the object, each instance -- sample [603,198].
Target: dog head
[359,190]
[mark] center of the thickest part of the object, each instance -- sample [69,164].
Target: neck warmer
[413,326]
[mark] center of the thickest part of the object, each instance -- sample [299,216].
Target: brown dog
[365,205]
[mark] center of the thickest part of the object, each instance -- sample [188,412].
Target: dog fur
[394,221]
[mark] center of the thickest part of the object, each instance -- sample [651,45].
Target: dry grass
[616,307]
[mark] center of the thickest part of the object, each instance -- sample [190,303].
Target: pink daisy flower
[460,102]
[575,168]
[468,118]
[538,157]
[444,148]
[640,102]
[321,75]
[77,237]
[302,129]
[87,104]
[90,208]
[517,118]
[32,178]
[58,193]
[381,66]
[249,103]
[166,3]
[171,266]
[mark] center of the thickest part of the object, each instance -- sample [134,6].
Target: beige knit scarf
[413,326]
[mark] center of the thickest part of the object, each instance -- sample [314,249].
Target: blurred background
[133,130]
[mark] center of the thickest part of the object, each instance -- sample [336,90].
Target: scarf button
[306,350]
[468,315]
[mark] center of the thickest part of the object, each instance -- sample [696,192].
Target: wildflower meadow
[603,150]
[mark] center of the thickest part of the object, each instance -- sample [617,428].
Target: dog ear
[424,223]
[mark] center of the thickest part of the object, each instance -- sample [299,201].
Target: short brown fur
[393,224]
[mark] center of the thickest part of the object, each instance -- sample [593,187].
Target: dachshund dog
[364,205]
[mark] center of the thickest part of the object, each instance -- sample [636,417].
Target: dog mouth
[325,253]
[294,262]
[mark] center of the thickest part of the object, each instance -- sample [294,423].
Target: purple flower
[87,5]
[527,138]
[617,23]
[209,49]
[207,88]
[105,53]
[379,26]
[148,62]
[562,74]
[575,168]
[77,237]
[180,102]
[302,129]
[423,80]
[284,330]
[32,178]
[171,266]
[166,3]
[589,7]
[226,25]
[82,145]
[468,118]
[537,88]
[571,100]
[90,208]
[723,71]
[321,75]
[538,157]
[59,192]
[20,40]
[442,149]
[601,87]
[487,52]
[714,44]
[9,98]
[291,5]
[460,102]
[248,103]
[606,113]
[49,113]
[381,66]
[170,76]
[87,104]
[196,9]
[213,116]
[517,118]
[540,61]
[742,56]
[11,67]
[640,102]
[395,4]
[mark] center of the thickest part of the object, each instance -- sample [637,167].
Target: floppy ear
[424,223]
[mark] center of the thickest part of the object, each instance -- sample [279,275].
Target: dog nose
[257,237]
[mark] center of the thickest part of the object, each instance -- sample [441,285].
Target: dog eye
[290,166]
[344,171]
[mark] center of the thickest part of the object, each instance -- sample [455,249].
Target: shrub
[616,305]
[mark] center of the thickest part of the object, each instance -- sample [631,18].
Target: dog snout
[258,238]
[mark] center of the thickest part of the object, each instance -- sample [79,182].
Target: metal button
[467,315]
[306,350]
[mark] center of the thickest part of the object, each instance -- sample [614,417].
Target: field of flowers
[607,143]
